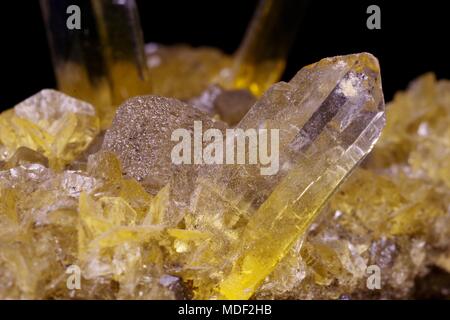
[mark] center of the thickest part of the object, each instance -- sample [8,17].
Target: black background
[281,309]
[413,39]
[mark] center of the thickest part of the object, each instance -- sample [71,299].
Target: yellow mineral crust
[397,223]
[418,132]
[393,214]
[241,235]
[95,220]
[54,124]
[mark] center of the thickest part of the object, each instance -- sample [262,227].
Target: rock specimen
[141,136]
[227,231]
[394,214]
[93,221]
[329,117]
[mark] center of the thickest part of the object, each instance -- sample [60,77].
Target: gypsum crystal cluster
[73,198]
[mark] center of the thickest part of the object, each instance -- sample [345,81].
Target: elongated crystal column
[123,47]
[76,53]
[328,117]
[261,58]
[338,133]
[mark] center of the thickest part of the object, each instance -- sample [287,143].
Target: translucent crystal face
[392,214]
[52,123]
[133,225]
[329,115]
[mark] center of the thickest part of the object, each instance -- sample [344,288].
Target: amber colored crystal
[261,57]
[137,227]
[52,123]
[392,214]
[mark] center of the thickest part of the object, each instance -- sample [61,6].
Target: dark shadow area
[412,39]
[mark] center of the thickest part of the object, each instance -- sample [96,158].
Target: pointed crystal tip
[329,115]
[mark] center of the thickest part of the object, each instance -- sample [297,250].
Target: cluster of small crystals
[52,218]
[95,220]
[57,126]
[68,200]
[181,71]
[393,213]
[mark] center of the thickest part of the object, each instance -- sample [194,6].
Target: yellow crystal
[261,57]
[392,214]
[241,235]
[58,126]
[181,71]
[246,211]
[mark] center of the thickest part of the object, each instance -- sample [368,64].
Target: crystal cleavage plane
[230,233]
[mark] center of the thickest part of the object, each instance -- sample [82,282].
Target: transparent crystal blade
[329,116]
[123,47]
[261,57]
[78,62]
